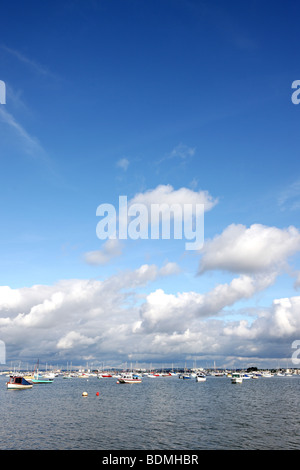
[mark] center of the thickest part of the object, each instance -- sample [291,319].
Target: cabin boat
[129,379]
[18,383]
[200,378]
[236,378]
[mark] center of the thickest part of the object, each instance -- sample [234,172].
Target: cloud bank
[115,320]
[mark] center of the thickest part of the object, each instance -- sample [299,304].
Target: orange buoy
[97,394]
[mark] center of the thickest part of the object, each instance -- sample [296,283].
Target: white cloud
[73,338]
[166,194]
[111,249]
[167,204]
[164,312]
[182,151]
[297,282]
[60,318]
[249,250]
[107,321]
[120,318]
[281,321]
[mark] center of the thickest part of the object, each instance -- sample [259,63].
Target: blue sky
[110,98]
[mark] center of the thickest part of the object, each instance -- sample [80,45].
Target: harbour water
[164,413]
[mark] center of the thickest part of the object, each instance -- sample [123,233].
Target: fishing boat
[200,378]
[17,382]
[236,378]
[129,379]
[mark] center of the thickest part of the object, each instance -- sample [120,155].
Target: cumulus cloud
[155,208]
[167,312]
[166,194]
[120,317]
[278,322]
[75,319]
[250,250]
[70,315]
[74,338]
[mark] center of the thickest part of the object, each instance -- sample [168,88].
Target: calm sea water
[163,413]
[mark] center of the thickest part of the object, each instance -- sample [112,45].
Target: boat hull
[18,387]
[41,381]
[129,379]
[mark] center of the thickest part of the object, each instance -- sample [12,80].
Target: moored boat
[186,376]
[267,374]
[40,379]
[17,382]
[200,378]
[129,379]
[236,378]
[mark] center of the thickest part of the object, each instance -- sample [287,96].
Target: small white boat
[129,379]
[200,378]
[18,383]
[49,375]
[267,374]
[236,378]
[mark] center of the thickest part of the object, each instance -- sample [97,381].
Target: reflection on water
[163,413]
